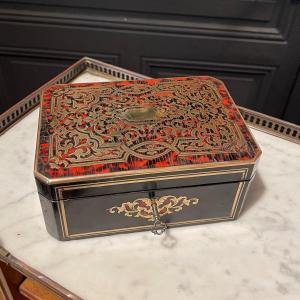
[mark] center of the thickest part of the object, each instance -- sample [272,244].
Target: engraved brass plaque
[142,114]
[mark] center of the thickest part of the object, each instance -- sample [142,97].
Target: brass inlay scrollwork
[110,124]
[141,208]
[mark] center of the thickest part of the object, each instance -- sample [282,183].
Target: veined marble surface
[255,257]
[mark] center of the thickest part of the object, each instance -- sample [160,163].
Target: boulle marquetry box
[141,155]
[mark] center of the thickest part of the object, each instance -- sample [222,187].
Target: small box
[129,156]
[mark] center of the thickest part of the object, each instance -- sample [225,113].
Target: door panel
[292,109]
[247,84]
[20,76]
[268,19]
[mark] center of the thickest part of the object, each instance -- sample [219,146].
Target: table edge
[30,272]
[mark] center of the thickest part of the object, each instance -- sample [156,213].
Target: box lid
[96,130]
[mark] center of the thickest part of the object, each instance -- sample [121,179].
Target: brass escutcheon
[140,114]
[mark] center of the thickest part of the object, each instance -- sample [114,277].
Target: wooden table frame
[7,289]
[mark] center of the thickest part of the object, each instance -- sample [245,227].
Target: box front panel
[128,212]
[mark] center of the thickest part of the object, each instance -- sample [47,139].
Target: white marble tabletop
[255,257]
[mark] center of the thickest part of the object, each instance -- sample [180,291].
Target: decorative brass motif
[141,208]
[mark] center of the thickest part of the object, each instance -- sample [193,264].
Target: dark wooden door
[253,45]
[292,109]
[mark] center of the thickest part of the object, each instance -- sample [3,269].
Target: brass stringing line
[172,177]
[237,196]
[141,228]
[130,173]
[66,227]
[59,204]
[242,204]
[241,187]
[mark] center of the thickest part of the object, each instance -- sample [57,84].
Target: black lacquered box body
[114,206]
[141,155]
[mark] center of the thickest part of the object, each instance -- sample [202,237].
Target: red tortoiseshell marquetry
[118,126]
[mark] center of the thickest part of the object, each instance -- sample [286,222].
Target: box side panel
[243,198]
[129,212]
[46,190]
[51,217]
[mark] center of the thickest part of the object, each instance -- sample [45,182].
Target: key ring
[159,227]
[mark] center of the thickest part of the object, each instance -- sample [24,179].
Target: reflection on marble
[256,257]
[89,76]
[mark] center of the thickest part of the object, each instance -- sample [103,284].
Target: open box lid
[98,131]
